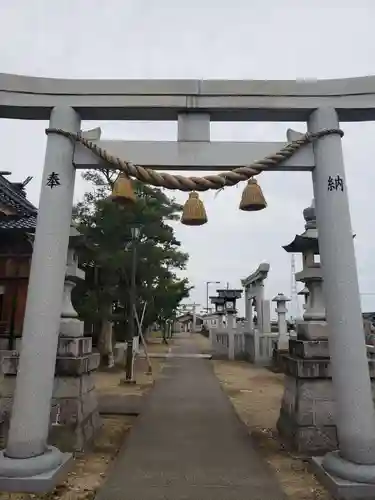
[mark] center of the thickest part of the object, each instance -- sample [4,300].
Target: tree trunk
[105,344]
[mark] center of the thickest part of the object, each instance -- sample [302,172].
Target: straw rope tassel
[122,191]
[194,213]
[252,197]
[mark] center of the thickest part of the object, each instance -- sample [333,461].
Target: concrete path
[188,444]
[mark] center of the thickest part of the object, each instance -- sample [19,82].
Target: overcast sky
[226,39]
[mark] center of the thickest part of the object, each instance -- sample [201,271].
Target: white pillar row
[27,453]
[354,408]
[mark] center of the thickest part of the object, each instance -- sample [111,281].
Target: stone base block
[40,483]
[309,349]
[278,356]
[77,366]
[74,417]
[314,367]
[74,346]
[71,327]
[312,330]
[306,439]
[65,365]
[307,414]
[339,488]
[306,368]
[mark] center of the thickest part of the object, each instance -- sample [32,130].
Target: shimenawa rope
[182,183]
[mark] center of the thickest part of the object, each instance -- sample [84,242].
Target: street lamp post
[207,285]
[135,232]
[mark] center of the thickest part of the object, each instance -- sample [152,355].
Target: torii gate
[193,103]
[254,289]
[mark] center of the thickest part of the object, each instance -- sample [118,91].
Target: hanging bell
[252,197]
[194,213]
[122,191]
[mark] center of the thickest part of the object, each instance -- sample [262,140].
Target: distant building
[184,323]
[211,320]
[17,225]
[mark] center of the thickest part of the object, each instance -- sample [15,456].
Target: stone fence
[242,344]
[258,347]
[227,344]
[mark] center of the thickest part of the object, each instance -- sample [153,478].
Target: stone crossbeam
[199,156]
[259,275]
[32,98]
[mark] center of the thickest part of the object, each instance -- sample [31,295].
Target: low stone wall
[307,415]
[221,340]
[74,417]
[258,347]
[219,343]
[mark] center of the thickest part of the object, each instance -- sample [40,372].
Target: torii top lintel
[32,98]
[257,276]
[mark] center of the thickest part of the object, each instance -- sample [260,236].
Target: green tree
[107,256]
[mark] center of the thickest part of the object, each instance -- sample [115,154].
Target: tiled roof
[12,196]
[15,222]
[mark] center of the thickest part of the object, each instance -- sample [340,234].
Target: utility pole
[135,231]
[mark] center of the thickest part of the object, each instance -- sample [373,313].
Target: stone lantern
[230,297]
[219,304]
[70,325]
[307,411]
[314,324]
[305,294]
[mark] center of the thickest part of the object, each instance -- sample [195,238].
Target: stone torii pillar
[27,463]
[355,415]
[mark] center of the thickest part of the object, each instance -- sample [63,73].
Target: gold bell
[252,197]
[194,213]
[122,191]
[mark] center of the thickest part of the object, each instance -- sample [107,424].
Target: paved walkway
[188,444]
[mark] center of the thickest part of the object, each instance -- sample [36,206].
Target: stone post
[259,308]
[248,309]
[28,464]
[354,408]
[281,311]
[231,329]
[266,316]
[221,321]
